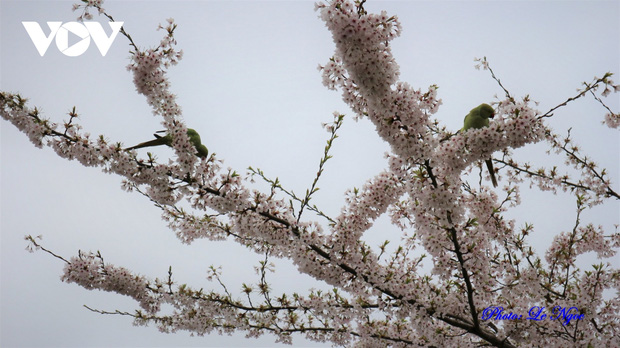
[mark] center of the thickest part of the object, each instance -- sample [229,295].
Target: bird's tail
[155,142]
[491,172]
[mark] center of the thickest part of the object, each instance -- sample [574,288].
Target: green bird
[478,117]
[194,138]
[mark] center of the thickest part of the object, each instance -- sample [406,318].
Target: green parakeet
[478,117]
[194,138]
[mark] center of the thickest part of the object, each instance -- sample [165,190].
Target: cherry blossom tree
[486,284]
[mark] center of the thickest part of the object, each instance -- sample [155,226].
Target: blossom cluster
[612,120]
[364,68]
[149,77]
[90,272]
[86,5]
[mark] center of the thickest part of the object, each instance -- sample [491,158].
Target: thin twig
[38,246]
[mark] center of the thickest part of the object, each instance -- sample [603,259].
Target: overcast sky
[248,83]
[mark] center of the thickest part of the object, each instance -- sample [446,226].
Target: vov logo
[85,31]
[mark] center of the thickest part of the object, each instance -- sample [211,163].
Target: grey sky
[248,83]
